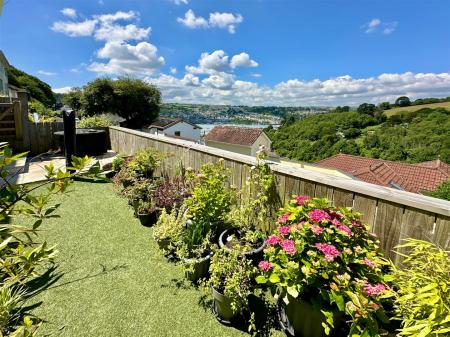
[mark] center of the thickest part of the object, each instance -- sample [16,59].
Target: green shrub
[210,200]
[442,191]
[422,300]
[145,162]
[117,163]
[45,114]
[169,227]
[95,122]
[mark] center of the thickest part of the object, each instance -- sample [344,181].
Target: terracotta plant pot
[255,255]
[222,307]
[199,268]
[300,318]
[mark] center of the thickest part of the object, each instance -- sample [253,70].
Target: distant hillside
[203,113]
[38,89]
[395,111]
[414,137]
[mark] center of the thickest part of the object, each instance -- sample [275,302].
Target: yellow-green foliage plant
[422,300]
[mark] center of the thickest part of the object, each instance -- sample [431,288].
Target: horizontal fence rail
[392,215]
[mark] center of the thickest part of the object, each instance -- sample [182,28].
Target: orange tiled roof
[234,135]
[415,178]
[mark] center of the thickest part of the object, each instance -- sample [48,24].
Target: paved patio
[32,169]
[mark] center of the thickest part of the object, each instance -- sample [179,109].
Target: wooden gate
[10,120]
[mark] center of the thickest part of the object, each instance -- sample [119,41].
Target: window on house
[178,133]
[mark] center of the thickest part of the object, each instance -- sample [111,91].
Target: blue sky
[255,52]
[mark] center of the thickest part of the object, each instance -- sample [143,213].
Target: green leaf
[274,278]
[292,291]
[260,279]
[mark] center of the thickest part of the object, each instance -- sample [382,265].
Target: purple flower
[316,229]
[374,290]
[273,240]
[357,224]
[284,230]
[329,251]
[265,265]
[336,222]
[288,246]
[283,218]
[301,199]
[319,215]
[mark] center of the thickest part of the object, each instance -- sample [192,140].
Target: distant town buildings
[416,178]
[237,139]
[177,128]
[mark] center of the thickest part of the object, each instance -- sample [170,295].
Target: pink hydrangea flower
[283,218]
[336,222]
[374,290]
[316,229]
[328,250]
[319,215]
[273,240]
[265,265]
[301,199]
[345,229]
[369,262]
[284,230]
[288,246]
[356,224]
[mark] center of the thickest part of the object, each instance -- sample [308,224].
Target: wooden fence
[393,215]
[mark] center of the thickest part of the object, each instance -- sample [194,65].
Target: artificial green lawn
[114,280]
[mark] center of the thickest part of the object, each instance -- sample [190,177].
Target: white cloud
[220,20]
[113,32]
[223,88]
[173,70]
[63,90]
[70,12]
[46,73]
[190,80]
[390,27]
[179,2]
[141,59]
[75,29]
[225,20]
[256,75]
[210,63]
[122,57]
[242,60]
[192,21]
[376,25]
[120,15]
[372,25]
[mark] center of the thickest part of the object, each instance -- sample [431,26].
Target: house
[416,178]
[237,139]
[171,127]
[4,65]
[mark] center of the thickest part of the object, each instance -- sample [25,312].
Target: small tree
[402,101]
[384,105]
[442,191]
[98,97]
[136,101]
[73,99]
[367,109]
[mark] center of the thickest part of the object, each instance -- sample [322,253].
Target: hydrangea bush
[327,256]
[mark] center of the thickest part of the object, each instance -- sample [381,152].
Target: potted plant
[146,212]
[325,268]
[210,199]
[169,227]
[258,204]
[422,297]
[140,190]
[194,249]
[125,177]
[171,192]
[231,283]
[145,162]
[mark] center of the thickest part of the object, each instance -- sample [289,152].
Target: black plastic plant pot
[198,268]
[300,318]
[147,219]
[110,174]
[127,183]
[222,307]
[255,255]
[163,244]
